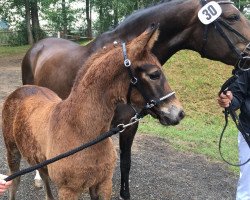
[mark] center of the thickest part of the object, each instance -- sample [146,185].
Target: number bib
[209,13]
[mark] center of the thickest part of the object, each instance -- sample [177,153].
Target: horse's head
[151,85]
[227,38]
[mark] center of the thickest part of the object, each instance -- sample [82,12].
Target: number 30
[209,12]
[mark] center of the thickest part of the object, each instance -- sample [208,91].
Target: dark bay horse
[54,126]
[53,63]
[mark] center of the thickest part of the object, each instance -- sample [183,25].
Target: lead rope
[229,111]
[119,128]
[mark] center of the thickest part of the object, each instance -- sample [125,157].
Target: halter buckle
[151,104]
[127,63]
[134,80]
[247,49]
[244,63]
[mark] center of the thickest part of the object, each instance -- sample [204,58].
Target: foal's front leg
[65,193]
[122,115]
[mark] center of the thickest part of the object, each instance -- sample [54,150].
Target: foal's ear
[146,40]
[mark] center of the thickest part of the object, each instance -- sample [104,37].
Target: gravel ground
[158,171]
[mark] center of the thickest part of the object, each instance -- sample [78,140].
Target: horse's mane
[142,10]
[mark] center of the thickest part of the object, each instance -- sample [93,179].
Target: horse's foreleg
[122,115]
[126,141]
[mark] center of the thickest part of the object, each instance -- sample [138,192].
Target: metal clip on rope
[132,121]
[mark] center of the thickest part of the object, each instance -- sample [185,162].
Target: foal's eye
[155,75]
[233,18]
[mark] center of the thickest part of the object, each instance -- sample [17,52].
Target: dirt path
[158,172]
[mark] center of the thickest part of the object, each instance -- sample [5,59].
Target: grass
[12,51]
[196,82]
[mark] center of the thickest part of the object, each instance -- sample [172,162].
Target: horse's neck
[178,25]
[175,19]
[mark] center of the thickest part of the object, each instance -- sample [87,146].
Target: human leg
[243,188]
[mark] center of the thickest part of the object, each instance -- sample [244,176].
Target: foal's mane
[99,63]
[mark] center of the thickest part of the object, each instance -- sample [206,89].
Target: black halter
[150,103]
[243,56]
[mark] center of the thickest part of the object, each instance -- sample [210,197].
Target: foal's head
[151,82]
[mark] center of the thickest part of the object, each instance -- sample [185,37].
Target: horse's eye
[233,18]
[155,75]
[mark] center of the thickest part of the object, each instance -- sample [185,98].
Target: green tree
[241,4]
[59,14]
[27,19]
[89,18]
[22,13]
[111,12]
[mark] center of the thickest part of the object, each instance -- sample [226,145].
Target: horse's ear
[146,40]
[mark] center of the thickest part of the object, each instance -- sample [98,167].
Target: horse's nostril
[181,114]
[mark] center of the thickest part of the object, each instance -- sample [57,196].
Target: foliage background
[33,18]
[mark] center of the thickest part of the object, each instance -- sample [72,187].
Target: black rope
[229,111]
[100,138]
[228,82]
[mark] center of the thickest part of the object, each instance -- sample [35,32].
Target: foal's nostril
[181,114]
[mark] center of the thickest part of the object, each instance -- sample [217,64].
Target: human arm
[236,93]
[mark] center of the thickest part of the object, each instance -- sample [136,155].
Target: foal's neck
[100,85]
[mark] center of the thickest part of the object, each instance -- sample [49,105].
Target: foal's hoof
[38,183]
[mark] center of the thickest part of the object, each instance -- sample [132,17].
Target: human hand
[224,100]
[3,184]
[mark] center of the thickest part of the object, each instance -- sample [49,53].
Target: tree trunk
[35,20]
[88,18]
[27,18]
[101,17]
[136,5]
[115,13]
[64,16]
